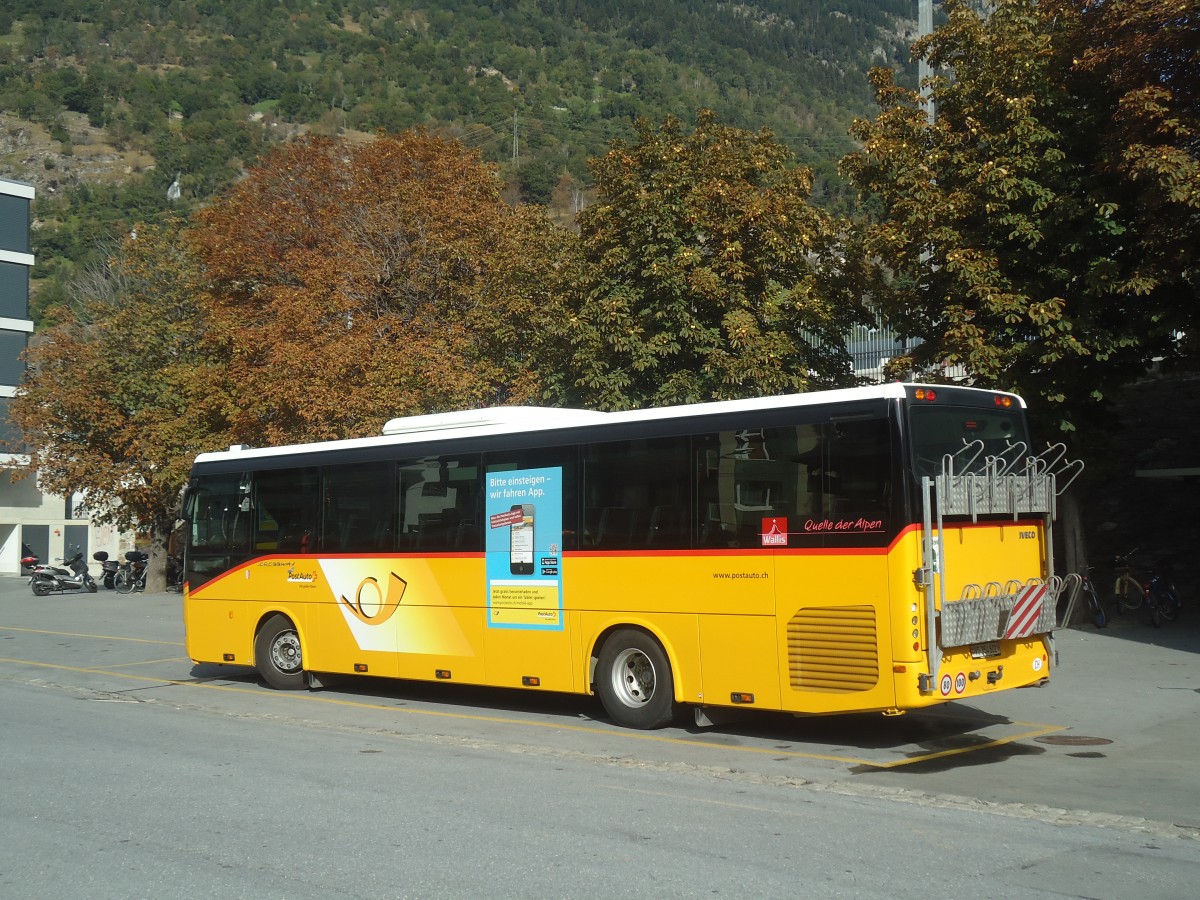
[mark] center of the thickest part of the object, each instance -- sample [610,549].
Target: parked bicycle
[175,574]
[1153,590]
[1128,592]
[1091,597]
[132,574]
[1162,597]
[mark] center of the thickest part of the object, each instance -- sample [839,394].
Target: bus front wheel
[277,654]
[634,681]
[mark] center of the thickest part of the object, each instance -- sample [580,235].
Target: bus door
[743,480]
[833,584]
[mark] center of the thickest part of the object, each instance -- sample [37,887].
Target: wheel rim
[1132,597]
[633,678]
[285,652]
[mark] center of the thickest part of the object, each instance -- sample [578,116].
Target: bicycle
[1162,597]
[175,574]
[1128,593]
[132,574]
[1092,598]
[1156,592]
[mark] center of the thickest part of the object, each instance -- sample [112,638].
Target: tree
[1015,244]
[115,403]
[705,274]
[355,282]
[1139,58]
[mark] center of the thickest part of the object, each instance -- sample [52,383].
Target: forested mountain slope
[107,103]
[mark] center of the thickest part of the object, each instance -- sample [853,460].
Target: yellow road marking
[104,637]
[144,662]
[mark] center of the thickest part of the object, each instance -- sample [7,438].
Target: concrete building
[46,524]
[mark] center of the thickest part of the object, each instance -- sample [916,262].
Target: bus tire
[277,654]
[634,680]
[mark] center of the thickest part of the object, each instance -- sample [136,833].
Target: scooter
[108,568]
[48,579]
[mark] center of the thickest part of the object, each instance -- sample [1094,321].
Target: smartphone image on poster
[520,541]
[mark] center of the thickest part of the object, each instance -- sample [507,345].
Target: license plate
[985,651]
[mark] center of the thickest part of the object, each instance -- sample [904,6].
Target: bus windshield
[938,431]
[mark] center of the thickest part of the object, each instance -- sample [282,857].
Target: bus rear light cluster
[1003,402]
[928,394]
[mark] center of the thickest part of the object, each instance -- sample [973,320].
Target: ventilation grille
[833,649]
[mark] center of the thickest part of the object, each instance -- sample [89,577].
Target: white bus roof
[501,420]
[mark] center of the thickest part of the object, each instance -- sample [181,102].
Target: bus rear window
[939,431]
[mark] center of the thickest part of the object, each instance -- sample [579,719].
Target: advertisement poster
[524,542]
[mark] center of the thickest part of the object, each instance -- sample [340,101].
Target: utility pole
[515,153]
[924,29]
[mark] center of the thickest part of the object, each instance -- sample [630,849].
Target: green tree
[706,274]
[115,400]
[1138,59]
[1013,241]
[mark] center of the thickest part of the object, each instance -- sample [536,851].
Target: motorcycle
[71,577]
[132,574]
[108,567]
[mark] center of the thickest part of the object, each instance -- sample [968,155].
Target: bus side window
[288,506]
[743,477]
[218,525]
[860,454]
[440,504]
[636,494]
[358,508]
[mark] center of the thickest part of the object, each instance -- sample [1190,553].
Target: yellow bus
[871,549]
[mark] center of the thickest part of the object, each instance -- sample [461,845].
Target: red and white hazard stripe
[1026,611]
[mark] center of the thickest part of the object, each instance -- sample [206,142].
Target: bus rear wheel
[277,654]
[634,681]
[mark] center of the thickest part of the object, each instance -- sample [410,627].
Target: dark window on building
[10,436]
[12,345]
[14,223]
[14,291]
[440,508]
[636,494]
[359,509]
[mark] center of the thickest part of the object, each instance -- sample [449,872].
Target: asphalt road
[127,772]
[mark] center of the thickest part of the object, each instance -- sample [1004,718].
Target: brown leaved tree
[117,399]
[355,282]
